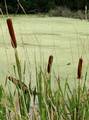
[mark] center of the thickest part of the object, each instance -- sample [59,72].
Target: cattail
[79,71]
[50,61]
[11,32]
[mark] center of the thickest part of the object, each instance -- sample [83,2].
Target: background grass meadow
[38,37]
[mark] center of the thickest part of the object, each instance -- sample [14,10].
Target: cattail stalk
[50,61]
[11,32]
[14,45]
[79,71]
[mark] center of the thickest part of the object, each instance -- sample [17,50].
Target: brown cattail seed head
[50,61]
[79,71]
[11,32]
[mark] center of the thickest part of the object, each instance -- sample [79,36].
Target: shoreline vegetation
[56,12]
[42,102]
[52,8]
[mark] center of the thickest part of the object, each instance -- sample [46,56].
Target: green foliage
[62,104]
[2,107]
[65,103]
[34,6]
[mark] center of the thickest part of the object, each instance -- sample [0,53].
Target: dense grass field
[37,91]
[38,37]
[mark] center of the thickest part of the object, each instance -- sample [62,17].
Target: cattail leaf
[18,83]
